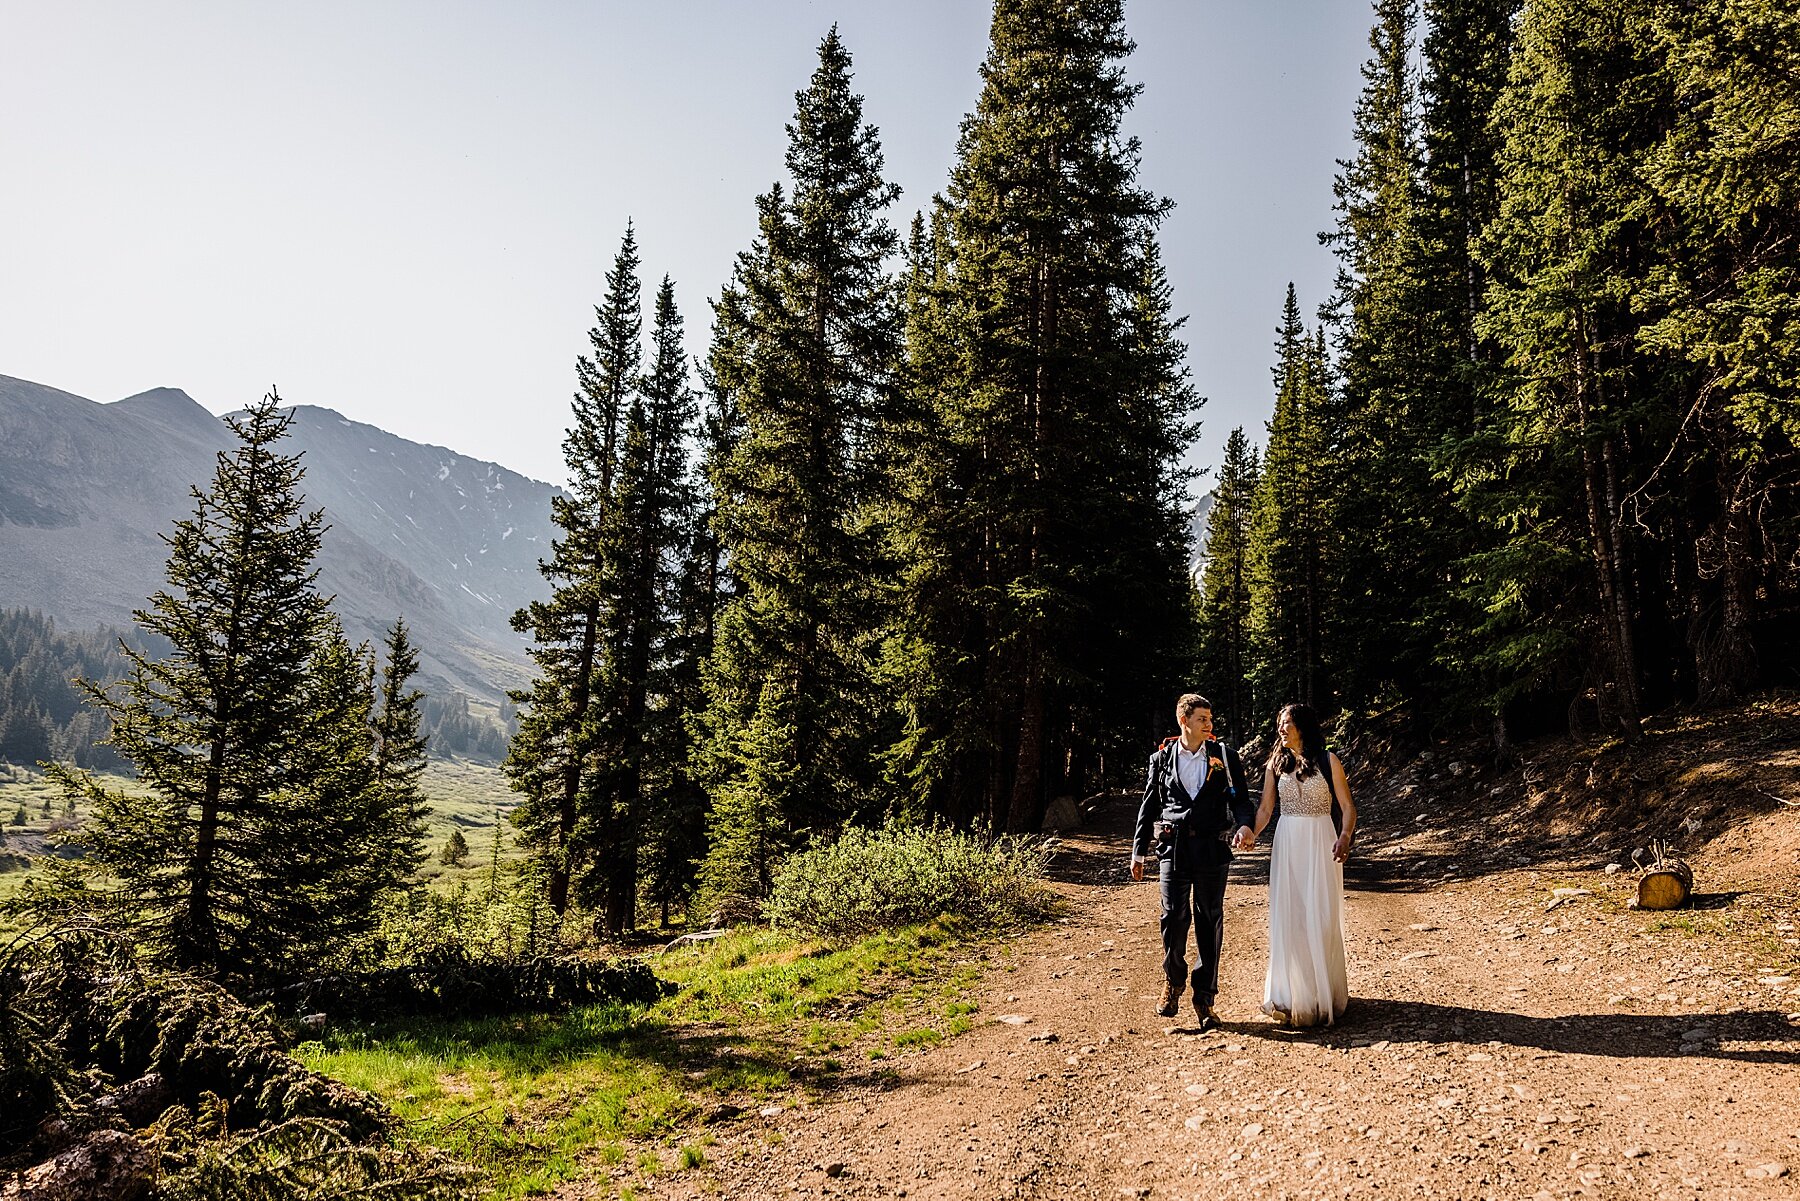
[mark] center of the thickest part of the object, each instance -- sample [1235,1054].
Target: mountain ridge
[446,540]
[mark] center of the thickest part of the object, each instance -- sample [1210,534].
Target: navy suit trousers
[1194,897]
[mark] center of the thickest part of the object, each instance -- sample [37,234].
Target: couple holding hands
[1197,809]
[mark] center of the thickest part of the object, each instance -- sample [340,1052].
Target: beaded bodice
[1310,797]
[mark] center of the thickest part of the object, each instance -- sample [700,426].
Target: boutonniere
[1214,763]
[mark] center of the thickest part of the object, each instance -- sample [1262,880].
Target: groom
[1194,800]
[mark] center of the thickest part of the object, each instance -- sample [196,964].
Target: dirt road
[1493,1049]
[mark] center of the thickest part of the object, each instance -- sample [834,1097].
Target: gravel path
[1504,1040]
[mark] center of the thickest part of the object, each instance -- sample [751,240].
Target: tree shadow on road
[1614,1035]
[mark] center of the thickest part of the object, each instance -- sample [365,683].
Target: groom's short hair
[1191,701]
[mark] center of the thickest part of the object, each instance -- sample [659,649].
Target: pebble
[1422,927]
[834,1170]
[979,1063]
[1613,869]
[1635,1153]
[1013,1019]
[1768,1171]
[1252,1130]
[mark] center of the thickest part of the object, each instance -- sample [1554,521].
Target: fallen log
[110,1164]
[1667,883]
[697,936]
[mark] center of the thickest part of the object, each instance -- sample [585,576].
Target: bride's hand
[1340,850]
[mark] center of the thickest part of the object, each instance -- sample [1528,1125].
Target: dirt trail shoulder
[1494,1049]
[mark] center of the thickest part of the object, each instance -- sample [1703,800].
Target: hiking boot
[1171,1001]
[1204,1017]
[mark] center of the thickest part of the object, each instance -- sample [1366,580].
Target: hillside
[447,541]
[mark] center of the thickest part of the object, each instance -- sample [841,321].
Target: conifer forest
[908,547]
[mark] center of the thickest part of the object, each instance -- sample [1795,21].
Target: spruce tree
[252,849]
[401,750]
[1293,526]
[1225,658]
[1730,174]
[806,342]
[1569,251]
[1047,603]
[552,759]
[643,532]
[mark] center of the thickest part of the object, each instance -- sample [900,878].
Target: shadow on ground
[1614,1035]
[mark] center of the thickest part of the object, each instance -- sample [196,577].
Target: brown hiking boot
[1204,1017]
[1171,1000]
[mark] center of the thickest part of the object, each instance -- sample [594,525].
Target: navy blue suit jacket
[1206,821]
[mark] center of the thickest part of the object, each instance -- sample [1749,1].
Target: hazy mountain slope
[449,542]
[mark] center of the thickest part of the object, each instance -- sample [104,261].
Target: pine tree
[249,852]
[400,751]
[1225,658]
[456,849]
[1569,251]
[1383,421]
[1730,175]
[552,758]
[1293,526]
[806,341]
[642,534]
[1046,595]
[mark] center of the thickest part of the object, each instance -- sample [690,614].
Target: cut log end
[1666,886]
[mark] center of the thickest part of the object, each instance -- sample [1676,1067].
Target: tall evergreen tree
[806,343]
[400,751]
[1294,527]
[552,760]
[1048,597]
[1730,172]
[1569,250]
[644,531]
[1225,658]
[253,849]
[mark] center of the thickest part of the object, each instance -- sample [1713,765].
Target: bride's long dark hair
[1312,756]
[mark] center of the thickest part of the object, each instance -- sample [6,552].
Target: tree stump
[1667,885]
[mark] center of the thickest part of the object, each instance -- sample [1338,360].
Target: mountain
[449,542]
[1197,534]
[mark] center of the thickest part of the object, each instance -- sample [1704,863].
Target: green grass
[533,1101]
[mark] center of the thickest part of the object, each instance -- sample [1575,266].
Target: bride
[1306,983]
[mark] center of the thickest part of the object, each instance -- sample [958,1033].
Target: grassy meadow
[625,1093]
[620,1093]
[464,796]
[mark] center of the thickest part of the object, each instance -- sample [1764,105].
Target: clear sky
[403,209]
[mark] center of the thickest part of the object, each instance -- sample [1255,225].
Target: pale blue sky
[404,210]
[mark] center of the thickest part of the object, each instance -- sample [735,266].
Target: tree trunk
[1725,655]
[1599,494]
[1027,806]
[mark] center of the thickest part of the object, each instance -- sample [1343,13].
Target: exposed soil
[1515,1029]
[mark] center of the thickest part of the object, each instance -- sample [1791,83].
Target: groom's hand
[1244,839]
[1137,868]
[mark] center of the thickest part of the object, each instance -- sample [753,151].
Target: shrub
[872,880]
[447,981]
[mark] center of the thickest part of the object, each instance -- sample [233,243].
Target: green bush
[874,880]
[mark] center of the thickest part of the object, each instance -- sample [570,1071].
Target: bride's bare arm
[1342,849]
[1265,812]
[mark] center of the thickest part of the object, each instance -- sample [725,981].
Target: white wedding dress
[1306,983]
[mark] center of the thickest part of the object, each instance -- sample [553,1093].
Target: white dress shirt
[1190,768]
